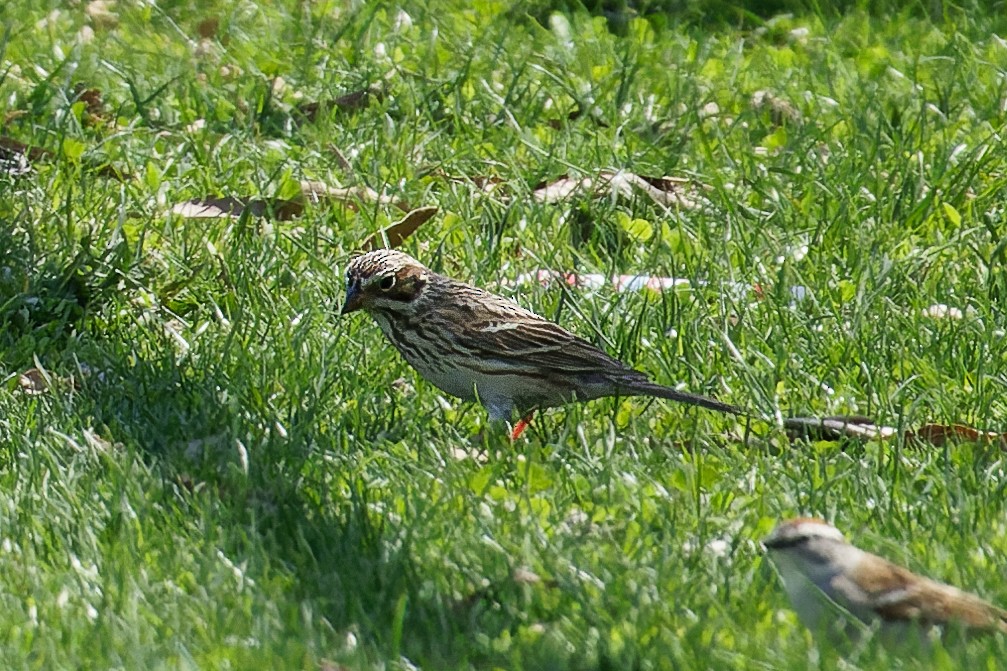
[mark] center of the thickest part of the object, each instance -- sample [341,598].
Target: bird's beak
[354,299]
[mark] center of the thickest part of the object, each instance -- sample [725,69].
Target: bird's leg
[521,425]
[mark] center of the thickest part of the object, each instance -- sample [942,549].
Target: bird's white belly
[496,392]
[450,380]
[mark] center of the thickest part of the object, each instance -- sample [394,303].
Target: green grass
[236,478]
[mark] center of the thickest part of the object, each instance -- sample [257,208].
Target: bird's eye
[387,283]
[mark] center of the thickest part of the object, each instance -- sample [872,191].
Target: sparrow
[826,577]
[478,346]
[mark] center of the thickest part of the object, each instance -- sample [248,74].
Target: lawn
[202,466]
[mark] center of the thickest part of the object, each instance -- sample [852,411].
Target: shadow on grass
[342,557]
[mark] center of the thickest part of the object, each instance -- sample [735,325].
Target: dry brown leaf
[396,234]
[15,146]
[34,381]
[940,434]
[561,189]
[312,192]
[208,27]
[350,102]
[667,191]
[13,115]
[316,192]
[16,158]
[833,428]
[94,106]
[863,428]
[220,208]
[91,98]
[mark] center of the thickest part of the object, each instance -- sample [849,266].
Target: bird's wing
[505,335]
[922,600]
[500,337]
[540,344]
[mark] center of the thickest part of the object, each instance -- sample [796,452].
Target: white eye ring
[386,283]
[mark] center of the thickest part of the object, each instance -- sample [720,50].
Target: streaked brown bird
[479,346]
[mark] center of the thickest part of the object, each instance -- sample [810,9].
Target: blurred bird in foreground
[837,588]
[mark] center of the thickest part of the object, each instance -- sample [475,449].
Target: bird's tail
[1001,621]
[648,388]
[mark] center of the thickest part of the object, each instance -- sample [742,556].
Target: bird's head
[809,545]
[383,280]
